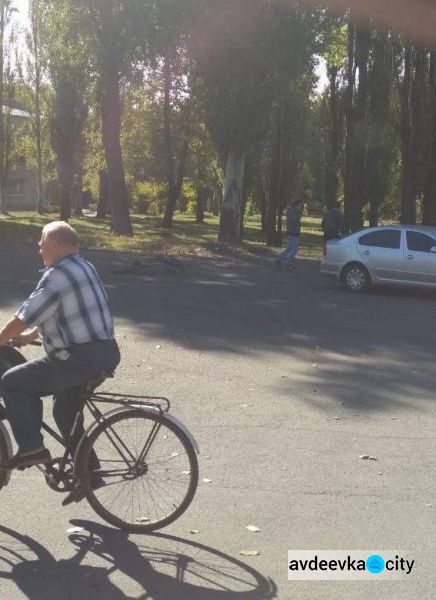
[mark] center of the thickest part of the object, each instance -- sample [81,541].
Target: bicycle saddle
[95,382]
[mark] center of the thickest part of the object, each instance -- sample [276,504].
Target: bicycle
[137,450]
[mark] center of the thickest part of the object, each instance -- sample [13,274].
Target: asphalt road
[285,380]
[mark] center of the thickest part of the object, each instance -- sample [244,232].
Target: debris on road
[249,552]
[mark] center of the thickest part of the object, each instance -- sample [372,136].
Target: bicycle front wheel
[146,474]
[5,453]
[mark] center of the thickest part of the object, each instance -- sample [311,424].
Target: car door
[381,251]
[419,260]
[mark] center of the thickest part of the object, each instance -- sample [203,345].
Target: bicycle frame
[124,401]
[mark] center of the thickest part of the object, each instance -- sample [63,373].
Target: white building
[21,191]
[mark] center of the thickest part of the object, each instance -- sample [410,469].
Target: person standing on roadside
[293,229]
[333,223]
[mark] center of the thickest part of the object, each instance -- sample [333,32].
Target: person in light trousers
[293,228]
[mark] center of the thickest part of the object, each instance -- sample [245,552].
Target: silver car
[397,254]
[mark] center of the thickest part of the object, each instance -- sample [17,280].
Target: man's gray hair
[60,232]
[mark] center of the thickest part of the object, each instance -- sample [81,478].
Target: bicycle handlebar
[14,343]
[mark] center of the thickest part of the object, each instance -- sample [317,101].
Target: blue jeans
[23,386]
[287,256]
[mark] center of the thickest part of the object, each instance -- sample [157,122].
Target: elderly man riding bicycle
[69,309]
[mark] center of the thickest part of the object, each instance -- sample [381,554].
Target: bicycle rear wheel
[5,453]
[148,471]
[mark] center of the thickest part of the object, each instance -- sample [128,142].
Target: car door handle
[366,252]
[410,257]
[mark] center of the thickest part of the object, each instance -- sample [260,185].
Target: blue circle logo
[375,564]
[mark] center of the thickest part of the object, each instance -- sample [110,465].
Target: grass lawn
[186,237]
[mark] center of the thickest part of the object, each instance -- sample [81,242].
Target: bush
[148,197]
[188,197]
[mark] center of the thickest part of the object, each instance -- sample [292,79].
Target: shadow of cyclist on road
[160,567]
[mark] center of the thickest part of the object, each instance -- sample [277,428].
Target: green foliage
[235,75]
[336,40]
[243,74]
[148,197]
[66,50]
[188,197]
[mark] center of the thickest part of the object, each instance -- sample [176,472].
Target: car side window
[419,242]
[386,238]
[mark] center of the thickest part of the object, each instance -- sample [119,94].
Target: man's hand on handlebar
[23,339]
[14,328]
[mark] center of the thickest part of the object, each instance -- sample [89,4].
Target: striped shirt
[69,306]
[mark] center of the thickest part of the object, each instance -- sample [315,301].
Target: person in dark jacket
[293,228]
[333,223]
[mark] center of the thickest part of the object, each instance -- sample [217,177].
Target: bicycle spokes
[145,471]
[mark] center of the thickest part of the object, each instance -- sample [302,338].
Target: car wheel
[356,278]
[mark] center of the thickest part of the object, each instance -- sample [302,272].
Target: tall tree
[115,27]
[5,15]
[335,56]
[412,129]
[167,51]
[349,146]
[381,138]
[429,199]
[360,130]
[33,81]
[232,58]
[67,55]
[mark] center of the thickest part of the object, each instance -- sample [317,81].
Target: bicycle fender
[174,420]
[4,432]
[185,430]
[149,409]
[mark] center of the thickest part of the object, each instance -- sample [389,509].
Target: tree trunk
[65,179]
[103,195]
[419,134]
[429,202]
[38,79]
[380,155]
[201,203]
[217,200]
[286,180]
[111,61]
[332,180]
[77,193]
[360,133]
[86,198]
[175,169]
[170,206]
[111,125]
[3,207]
[407,175]
[78,177]
[273,218]
[230,219]
[348,174]
[263,205]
